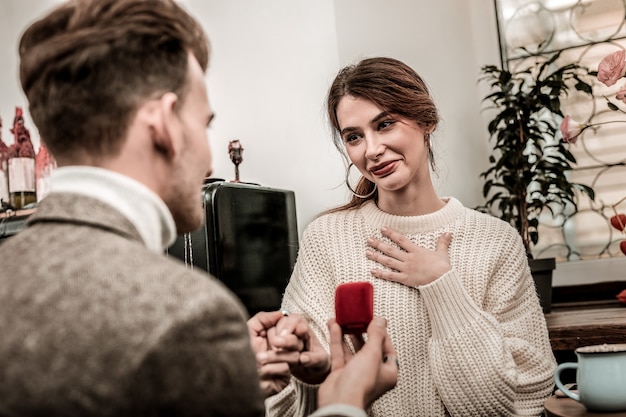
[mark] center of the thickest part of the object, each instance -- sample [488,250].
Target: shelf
[12,222]
[573,326]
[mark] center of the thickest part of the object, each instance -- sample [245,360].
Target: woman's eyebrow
[380,116]
[348,129]
[373,121]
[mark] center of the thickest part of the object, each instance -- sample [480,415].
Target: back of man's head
[87,66]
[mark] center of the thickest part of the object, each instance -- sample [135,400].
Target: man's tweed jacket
[93,323]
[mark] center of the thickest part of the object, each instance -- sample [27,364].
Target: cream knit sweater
[472,343]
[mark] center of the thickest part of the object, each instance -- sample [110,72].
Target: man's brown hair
[87,66]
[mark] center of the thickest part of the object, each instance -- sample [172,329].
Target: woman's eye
[385,124]
[350,138]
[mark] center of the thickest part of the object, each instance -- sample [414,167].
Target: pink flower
[621,94]
[611,68]
[571,129]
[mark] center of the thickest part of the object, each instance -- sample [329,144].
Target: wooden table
[566,407]
[571,327]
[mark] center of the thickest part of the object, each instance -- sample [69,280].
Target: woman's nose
[375,148]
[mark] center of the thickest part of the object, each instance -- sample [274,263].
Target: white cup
[600,376]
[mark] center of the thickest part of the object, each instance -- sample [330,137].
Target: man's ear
[166,131]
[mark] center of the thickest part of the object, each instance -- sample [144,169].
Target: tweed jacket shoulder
[93,323]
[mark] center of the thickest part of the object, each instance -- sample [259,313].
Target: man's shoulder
[106,268]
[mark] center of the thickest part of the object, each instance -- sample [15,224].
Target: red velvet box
[354,306]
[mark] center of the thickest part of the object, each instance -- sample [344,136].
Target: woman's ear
[167,129]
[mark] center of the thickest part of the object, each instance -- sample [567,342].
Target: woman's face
[389,150]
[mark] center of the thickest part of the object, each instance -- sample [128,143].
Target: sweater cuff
[339,410]
[307,394]
[450,307]
[297,398]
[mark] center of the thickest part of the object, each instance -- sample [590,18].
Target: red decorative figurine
[4,179]
[235,151]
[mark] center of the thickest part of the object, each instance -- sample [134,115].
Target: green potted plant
[528,168]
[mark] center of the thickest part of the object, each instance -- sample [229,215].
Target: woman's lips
[383,169]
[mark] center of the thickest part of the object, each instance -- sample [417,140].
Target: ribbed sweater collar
[140,205]
[413,224]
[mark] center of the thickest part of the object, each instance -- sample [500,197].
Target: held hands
[284,342]
[359,379]
[294,336]
[285,345]
[411,265]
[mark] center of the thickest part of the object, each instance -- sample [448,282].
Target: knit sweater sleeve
[495,358]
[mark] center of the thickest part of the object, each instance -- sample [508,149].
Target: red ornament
[23,147]
[619,221]
[622,246]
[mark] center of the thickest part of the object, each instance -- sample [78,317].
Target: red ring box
[354,306]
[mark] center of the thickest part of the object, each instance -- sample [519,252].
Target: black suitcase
[249,241]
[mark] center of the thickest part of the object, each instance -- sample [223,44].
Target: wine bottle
[21,165]
[4,174]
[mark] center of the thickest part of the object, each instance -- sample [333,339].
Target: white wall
[272,62]
[270,67]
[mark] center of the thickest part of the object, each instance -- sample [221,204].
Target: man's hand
[360,379]
[285,345]
[274,376]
